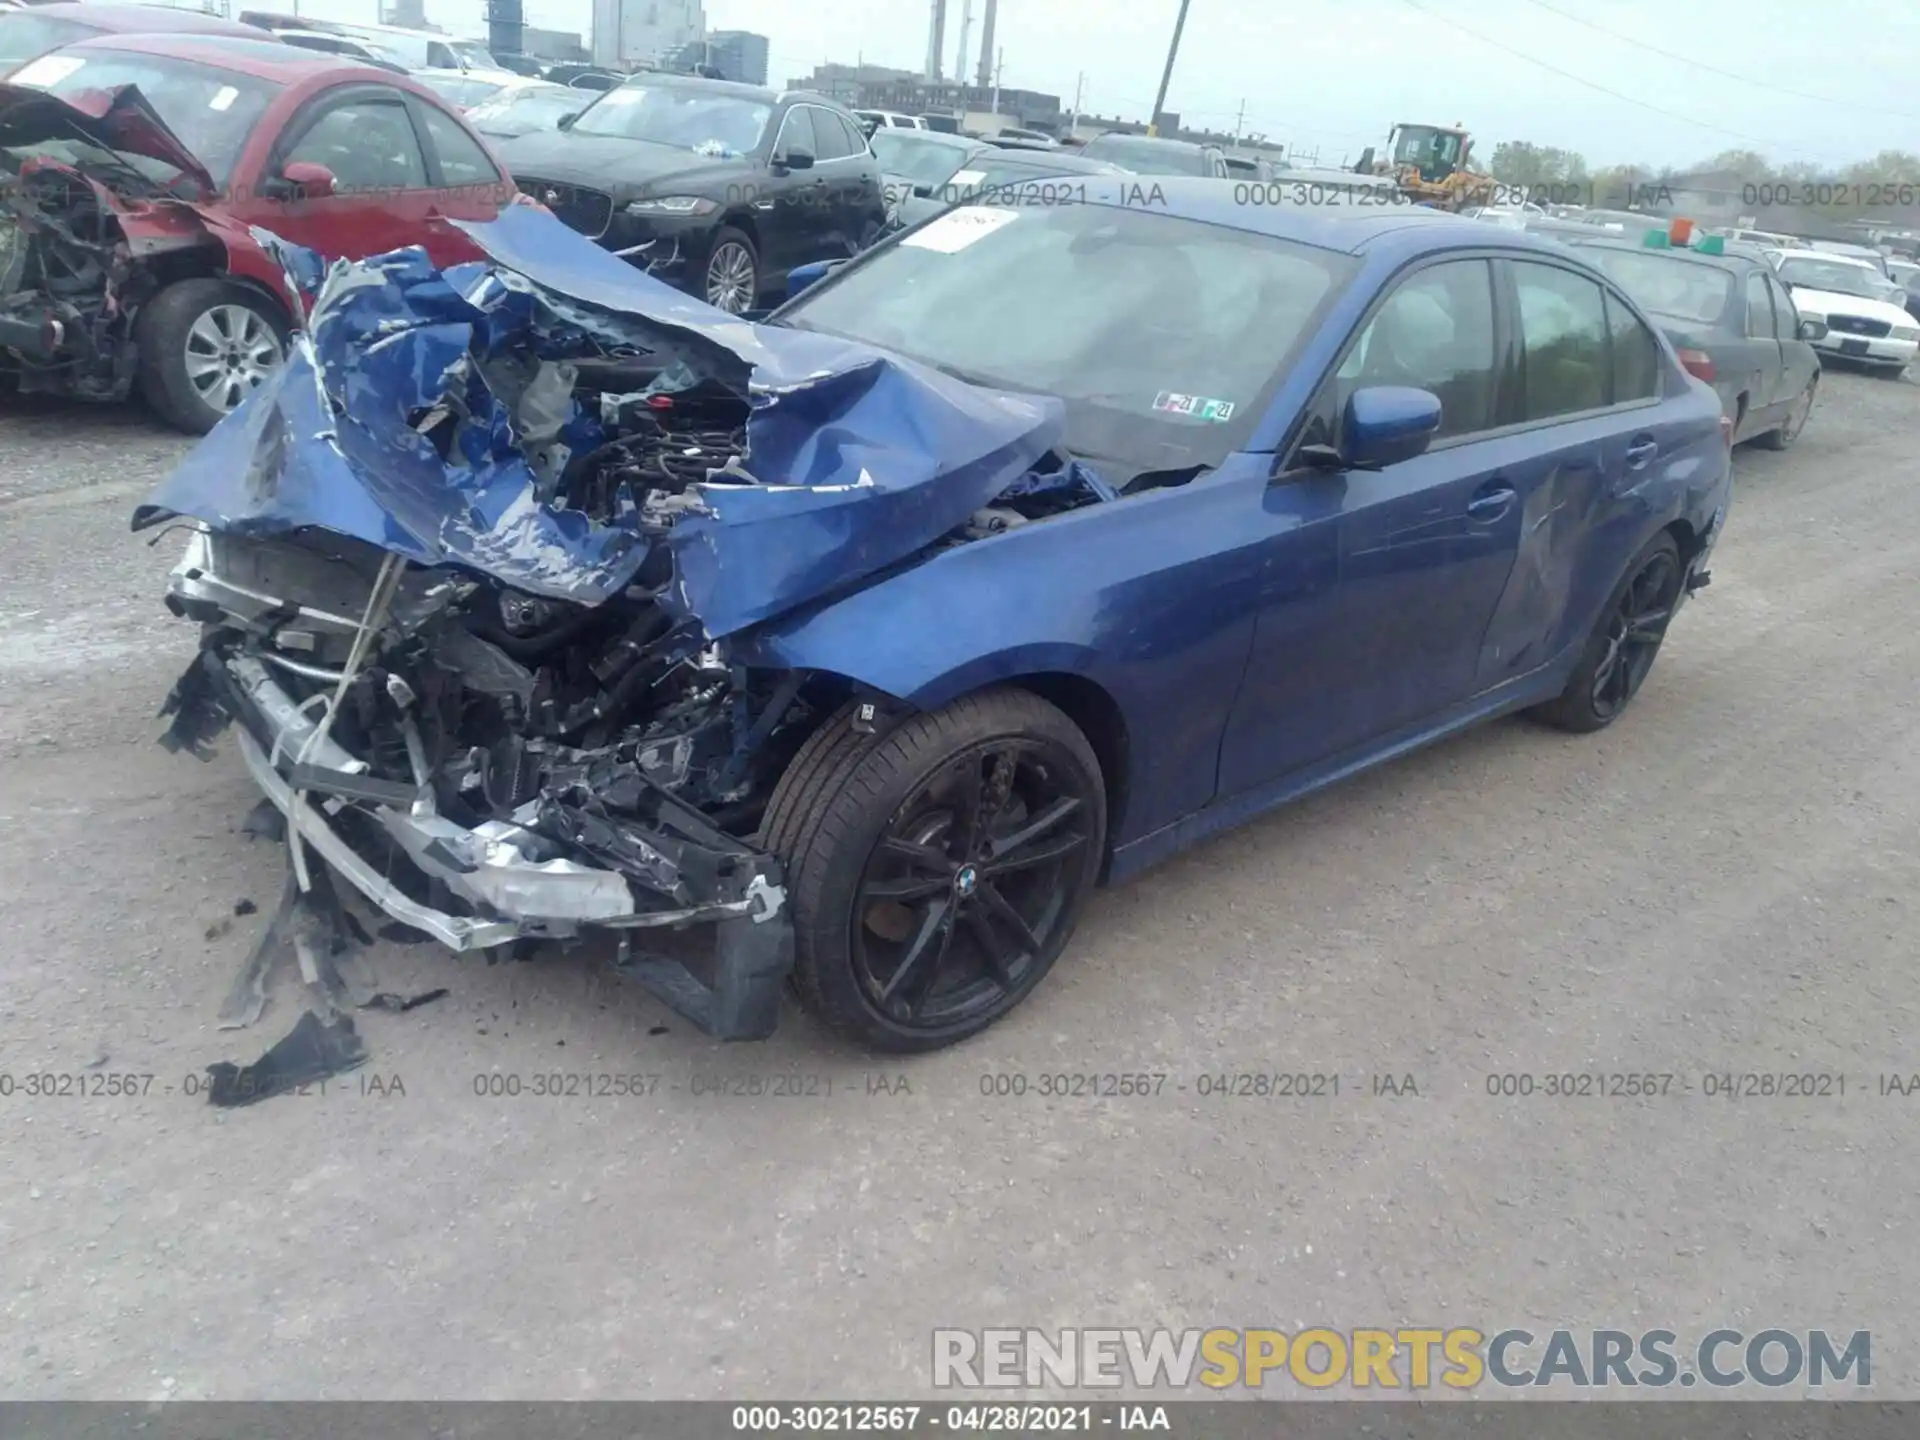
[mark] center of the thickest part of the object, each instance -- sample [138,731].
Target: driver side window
[796,133]
[1434,333]
[368,144]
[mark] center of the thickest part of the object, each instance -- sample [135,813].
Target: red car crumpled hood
[119,119]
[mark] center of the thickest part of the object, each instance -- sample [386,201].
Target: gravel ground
[1726,881]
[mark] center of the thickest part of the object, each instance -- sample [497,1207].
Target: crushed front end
[488,767]
[470,567]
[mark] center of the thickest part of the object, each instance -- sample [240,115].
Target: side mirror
[1813,329]
[801,276]
[1385,424]
[308,180]
[794,160]
[566,121]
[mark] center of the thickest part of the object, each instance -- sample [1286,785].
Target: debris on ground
[313,1050]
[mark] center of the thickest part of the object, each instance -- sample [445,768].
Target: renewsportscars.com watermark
[1402,1358]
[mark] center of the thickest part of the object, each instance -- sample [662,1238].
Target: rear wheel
[1622,648]
[1796,420]
[204,346]
[937,873]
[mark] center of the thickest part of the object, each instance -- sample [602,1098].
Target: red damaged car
[135,170]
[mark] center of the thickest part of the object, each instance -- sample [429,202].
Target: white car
[1848,294]
[888,120]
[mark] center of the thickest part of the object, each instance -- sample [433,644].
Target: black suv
[717,188]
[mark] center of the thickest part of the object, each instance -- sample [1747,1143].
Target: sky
[1336,74]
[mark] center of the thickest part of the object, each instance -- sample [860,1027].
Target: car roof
[719,87]
[1840,257]
[1732,264]
[1354,229]
[1160,140]
[1051,162]
[264,59]
[133,19]
[937,137]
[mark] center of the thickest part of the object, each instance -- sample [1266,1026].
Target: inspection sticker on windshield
[958,229]
[47,70]
[223,98]
[1198,406]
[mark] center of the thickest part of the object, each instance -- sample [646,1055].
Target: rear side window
[1565,364]
[796,133]
[1636,355]
[1759,309]
[462,162]
[439,57]
[833,143]
[1435,332]
[1786,318]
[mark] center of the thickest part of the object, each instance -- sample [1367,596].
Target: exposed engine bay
[69,286]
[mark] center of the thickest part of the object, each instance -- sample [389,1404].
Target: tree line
[1846,189]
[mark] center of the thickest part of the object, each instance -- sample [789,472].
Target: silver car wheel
[731,278]
[230,351]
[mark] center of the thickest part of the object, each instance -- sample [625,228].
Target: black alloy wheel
[936,870]
[967,890]
[1622,649]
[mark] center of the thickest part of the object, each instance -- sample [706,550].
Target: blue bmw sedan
[1055,534]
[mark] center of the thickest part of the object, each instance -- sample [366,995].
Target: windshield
[472,52]
[1421,146]
[461,91]
[917,157]
[1679,289]
[1160,334]
[682,116]
[1146,156]
[1834,275]
[520,110]
[24,35]
[211,111]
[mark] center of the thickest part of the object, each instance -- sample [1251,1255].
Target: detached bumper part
[492,868]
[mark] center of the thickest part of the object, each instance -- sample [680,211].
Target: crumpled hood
[855,460]
[119,119]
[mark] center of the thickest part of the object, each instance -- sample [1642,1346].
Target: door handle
[1643,449]
[1491,501]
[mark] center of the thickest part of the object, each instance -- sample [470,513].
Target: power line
[1715,69]
[1594,84]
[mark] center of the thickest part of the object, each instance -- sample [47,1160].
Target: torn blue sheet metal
[855,458]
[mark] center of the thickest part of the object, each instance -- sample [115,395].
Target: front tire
[204,346]
[936,873]
[1623,645]
[733,272]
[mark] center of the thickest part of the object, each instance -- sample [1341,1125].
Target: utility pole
[999,61]
[1166,75]
[1079,89]
[966,34]
[1239,124]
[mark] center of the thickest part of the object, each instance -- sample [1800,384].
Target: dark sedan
[919,162]
[717,188]
[1734,326]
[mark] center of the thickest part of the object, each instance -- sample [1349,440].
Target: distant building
[740,55]
[562,45]
[632,32]
[877,87]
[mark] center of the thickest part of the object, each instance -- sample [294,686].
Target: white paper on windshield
[223,97]
[964,178]
[47,70]
[958,229]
